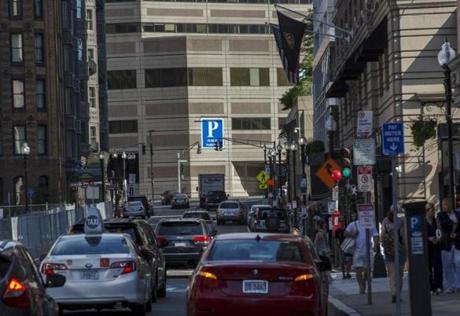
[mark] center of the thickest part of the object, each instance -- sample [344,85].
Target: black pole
[151,167]
[26,185]
[289,176]
[279,172]
[294,183]
[448,88]
[101,161]
[330,134]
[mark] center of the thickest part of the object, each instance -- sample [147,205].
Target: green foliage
[422,130]
[304,87]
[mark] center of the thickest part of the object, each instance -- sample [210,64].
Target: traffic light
[143,149]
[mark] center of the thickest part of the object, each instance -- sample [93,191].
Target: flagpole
[310,18]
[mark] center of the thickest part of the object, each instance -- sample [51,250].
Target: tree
[305,84]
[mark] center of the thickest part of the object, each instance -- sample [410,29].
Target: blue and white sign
[416,235]
[212,130]
[393,139]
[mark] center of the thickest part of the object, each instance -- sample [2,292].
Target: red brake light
[49,268]
[304,284]
[207,279]
[127,266]
[161,241]
[202,239]
[16,294]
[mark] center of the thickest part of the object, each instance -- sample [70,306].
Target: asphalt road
[174,302]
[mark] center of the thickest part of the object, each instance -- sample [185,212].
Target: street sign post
[212,130]
[364,152]
[393,145]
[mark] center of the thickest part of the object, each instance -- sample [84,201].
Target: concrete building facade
[390,66]
[170,64]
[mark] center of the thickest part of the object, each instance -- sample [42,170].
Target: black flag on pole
[288,36]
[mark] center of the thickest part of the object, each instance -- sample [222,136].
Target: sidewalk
[345,300]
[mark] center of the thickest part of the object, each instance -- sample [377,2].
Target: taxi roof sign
[93,222]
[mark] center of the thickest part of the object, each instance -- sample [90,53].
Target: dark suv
[22,289]
[144,237]
[183,241]
[213,199]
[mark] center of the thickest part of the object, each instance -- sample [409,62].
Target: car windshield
[197,215]
[229,205]
[266,212]
[135,203]
[90,245]
[123,230]
[256,250]
[180,228]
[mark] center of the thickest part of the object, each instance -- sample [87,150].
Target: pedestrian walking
[354,230]
[345,258]
[321,241]
[449,232]
[434,250]
[389,224]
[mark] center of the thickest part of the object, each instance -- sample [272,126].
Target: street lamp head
[115,155]
[272,152]
[123,155]
[302,141]
[101,156]
[446,54]
[331,124]
[25,149]
[279,147]
[293,146]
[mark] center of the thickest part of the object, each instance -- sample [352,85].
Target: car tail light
[207,279]
[201,239]
[162,241]
[304,284]
[49,268]
[16,294]
[127,266]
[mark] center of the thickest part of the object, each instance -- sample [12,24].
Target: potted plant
[422,130]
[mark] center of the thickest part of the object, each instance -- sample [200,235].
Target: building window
[92,97]
[79,49]
[121,127]
[281,78]
[19,136]
[15,8]
[18,183]
[16,47]
[40,94]
[67,58]
[43,194]
[42,140]
[68,101]
[38,9]
[114,28]
[205,77]
[18,94]
[166,77]
[93,138]
[78,8]
[39,48]
[90,54]
[251,123]
[89,20]
[65,14]
[121,79]
[253,77]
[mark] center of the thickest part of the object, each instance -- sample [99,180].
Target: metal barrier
[38,230]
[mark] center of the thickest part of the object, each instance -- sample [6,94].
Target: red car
[259,274]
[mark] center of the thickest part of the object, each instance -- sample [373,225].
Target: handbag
[348,246]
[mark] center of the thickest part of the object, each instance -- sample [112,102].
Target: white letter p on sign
[212,126]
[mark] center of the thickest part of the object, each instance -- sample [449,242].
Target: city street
[174,303]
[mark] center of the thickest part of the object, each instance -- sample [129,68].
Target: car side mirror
[55,280]
[324,264]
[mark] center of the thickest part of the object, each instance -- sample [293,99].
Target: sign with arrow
[325,172]
[393,139]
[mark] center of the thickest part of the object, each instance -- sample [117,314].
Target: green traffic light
[346,172]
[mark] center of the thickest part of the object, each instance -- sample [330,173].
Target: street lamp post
[151,165]
[294,171]
[125,194]
[445,56]
[25,154]
[280,151]
[101,163]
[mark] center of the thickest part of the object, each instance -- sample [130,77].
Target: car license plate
[89,275]
[255,286]
[180,244]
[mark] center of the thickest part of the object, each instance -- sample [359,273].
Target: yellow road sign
[263,186]
[262,177]
[325,172]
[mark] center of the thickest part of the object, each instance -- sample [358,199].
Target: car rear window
[135,203]
[229,205]
[90,246]
[124,230]
[197,215]
[253,250]
[180,228]
[264,213]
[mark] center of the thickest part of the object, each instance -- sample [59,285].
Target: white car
[102,271]
[229,211]
[135,209]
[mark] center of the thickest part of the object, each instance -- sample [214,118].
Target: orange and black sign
[325,172]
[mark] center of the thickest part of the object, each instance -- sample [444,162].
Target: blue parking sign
[212,130]
[393,139]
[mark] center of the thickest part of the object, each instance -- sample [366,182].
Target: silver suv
[230,211]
